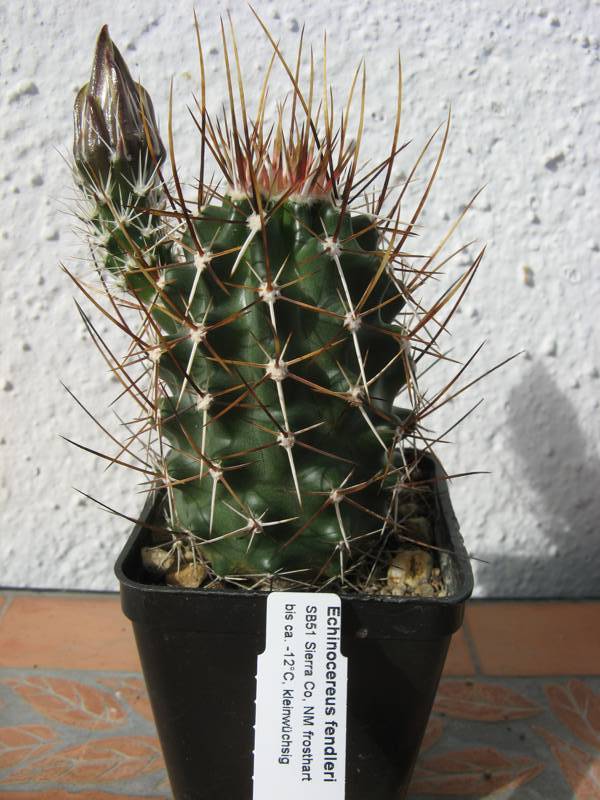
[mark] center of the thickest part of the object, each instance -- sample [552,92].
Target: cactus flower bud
[114,118]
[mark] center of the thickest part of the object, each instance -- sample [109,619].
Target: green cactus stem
[277,326]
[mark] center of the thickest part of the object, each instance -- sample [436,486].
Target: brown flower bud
[114,119]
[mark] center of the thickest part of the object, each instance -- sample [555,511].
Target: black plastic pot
[199,653]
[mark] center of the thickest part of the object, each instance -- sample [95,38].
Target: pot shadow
[555,459]
[556,464]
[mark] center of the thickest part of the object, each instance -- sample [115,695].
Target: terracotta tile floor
[517,715]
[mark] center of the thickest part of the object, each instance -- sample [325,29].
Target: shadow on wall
[555,459]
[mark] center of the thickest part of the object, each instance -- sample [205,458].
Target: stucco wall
[522,80]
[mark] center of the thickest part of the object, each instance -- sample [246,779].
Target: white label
[302,681]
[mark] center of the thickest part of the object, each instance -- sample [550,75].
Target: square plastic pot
[199,654]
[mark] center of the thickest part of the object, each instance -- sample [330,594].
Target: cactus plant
[278,322]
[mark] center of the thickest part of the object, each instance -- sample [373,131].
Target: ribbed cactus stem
[274,333]
[270,405]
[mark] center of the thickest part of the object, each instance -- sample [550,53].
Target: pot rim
[384,615]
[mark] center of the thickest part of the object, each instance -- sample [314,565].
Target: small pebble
[156,560]
[189,577]
[409,569]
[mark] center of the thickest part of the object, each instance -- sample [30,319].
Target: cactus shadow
[556,460]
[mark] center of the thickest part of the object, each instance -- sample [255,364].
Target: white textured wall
[523,83]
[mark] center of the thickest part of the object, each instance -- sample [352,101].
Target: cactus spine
[277,326]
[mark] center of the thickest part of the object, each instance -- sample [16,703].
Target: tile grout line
[473,654]
[8,599]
